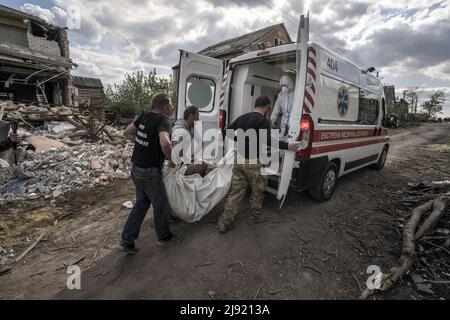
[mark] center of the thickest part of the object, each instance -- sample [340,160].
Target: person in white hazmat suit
[283,105]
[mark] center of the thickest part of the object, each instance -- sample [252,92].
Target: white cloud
[54,15]
[401,38]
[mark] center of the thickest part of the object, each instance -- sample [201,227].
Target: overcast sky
[407,40]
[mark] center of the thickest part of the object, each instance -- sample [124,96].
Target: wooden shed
[89,90]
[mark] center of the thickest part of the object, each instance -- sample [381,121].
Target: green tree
[134,94]
[400,107]
[436,103]
[411,95]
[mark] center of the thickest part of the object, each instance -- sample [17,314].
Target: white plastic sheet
[60,127]
[192,197]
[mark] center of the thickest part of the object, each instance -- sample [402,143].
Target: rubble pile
[35,113]
[57,171]
[60,122]
[6,255]
[62,151]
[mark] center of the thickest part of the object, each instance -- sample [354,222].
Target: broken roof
[16,14]
[238,44]
[87,82]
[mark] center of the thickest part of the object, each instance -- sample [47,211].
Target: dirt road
[305,251]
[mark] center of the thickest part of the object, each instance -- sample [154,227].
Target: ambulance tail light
[306,135]
[222,118]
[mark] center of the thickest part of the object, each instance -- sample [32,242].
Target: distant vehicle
[339,108]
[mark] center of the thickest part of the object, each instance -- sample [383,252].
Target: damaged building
[88,92]
[34,60]
[271,36]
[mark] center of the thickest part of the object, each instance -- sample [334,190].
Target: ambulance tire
[324,189]
[381,160]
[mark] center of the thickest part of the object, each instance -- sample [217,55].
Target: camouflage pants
[244,175]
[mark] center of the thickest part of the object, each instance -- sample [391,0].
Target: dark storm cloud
[424,47]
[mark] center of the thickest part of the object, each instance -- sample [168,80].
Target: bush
[134,94]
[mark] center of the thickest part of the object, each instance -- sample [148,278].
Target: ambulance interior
[259,77]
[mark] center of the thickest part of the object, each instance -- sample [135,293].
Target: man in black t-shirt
[150,133]
[245,174]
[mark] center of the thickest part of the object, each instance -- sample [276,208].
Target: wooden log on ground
[29,248]
[408,251]
[439,208]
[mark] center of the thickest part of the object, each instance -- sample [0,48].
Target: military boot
[223,225]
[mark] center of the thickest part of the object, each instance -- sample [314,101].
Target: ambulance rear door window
[201,92]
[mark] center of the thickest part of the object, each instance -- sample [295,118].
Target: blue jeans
[149,190]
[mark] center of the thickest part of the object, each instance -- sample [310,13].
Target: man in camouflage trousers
[244,175]
[249,174]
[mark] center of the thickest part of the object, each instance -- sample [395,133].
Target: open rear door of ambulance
[297,108]
[199,84]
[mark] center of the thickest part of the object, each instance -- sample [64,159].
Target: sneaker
[129,248]
[174,239]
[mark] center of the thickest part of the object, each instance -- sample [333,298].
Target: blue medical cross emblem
[342,101]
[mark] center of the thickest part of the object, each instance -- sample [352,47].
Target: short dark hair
[160,100]
[190,110]
[262,101]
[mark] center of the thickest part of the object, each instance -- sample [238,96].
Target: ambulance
[338,114]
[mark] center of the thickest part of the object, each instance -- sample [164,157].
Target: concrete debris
[35,113]
[62,151]
[45,144]
[58,171]
[78,133]
[128,205]
[10,106]
[4,164]
[60,122]
[58,127]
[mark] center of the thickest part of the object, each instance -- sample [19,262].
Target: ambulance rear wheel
[381,160]
[325,188]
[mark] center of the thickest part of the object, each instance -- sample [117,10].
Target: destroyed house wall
[44,46]
[28,45]
[13,35]
[31,35]
[17,92]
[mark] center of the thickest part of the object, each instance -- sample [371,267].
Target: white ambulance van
[339,110]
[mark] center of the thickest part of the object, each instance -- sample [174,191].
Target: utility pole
[418,93]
